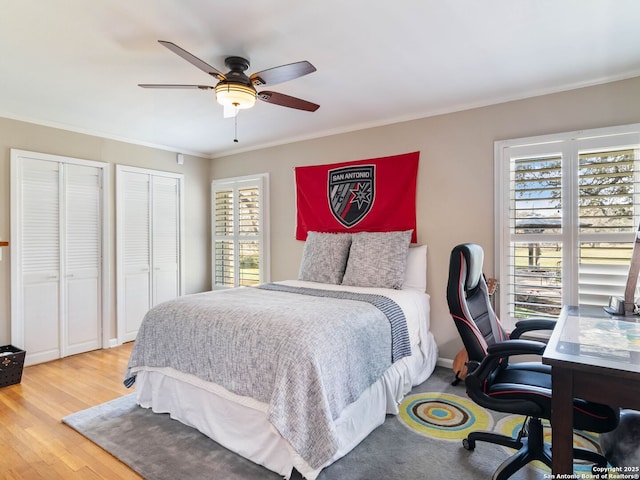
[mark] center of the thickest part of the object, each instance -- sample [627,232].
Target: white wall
[26,136]
[455,179]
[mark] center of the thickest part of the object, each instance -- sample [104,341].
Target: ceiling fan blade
[287,101]
[282,73]
[193,60]
[162,85]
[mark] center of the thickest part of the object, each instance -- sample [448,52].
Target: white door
[38,253]
[134,249]
[149,243]
[165,239]
[57,240]
[81,284]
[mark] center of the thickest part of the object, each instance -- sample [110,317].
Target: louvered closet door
[136,255]
[149,243]
[82,254]
[56,272]
[39,225]
[165,239]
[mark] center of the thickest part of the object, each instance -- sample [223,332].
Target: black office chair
[518,388]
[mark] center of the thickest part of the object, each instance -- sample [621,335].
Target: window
[567,209]
[240,253]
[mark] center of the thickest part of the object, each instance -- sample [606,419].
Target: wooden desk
[593,358]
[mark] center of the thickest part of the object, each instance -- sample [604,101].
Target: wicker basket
[11,365]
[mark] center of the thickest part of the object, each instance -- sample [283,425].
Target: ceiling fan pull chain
[235,121]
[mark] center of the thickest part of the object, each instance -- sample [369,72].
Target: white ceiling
[75,64]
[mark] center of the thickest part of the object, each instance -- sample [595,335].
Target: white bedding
[241,424]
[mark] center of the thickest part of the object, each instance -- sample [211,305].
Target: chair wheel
[468,445]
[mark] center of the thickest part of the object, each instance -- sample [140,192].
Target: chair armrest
[497,351]
[515,347]
[532,324]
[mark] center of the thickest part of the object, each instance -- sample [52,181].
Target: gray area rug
[159,448]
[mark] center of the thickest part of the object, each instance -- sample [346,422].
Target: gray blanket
[306,356]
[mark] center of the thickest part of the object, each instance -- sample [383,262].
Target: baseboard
[444,362]
[113,342]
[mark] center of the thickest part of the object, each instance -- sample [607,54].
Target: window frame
[261,181]
[570,145]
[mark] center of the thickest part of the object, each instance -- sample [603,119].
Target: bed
[294,374]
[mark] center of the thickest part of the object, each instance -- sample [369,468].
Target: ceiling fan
[235,90]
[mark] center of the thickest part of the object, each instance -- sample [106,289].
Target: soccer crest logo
[351,193]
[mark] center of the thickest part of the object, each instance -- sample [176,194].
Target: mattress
[241,424]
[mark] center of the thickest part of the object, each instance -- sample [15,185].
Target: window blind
[567,210]
[238,232]
[608,206]
[535,260]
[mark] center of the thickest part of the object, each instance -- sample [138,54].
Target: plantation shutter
[568,207]
[535,254]
[238,232]
[249,235]
[608,212]
[224,252]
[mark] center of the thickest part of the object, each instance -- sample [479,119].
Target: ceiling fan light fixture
[235,95]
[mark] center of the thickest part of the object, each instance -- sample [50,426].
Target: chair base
[530,448]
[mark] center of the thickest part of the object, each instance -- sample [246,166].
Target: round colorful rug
[443,415]
[511,425]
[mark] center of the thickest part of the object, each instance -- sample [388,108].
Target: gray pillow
[377,259]
[324,257]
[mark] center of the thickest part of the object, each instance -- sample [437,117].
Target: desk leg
[562,421]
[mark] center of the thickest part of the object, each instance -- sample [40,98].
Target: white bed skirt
[241,424]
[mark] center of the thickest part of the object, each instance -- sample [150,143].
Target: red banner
[376,195]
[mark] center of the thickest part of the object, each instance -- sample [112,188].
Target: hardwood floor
[35,444]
